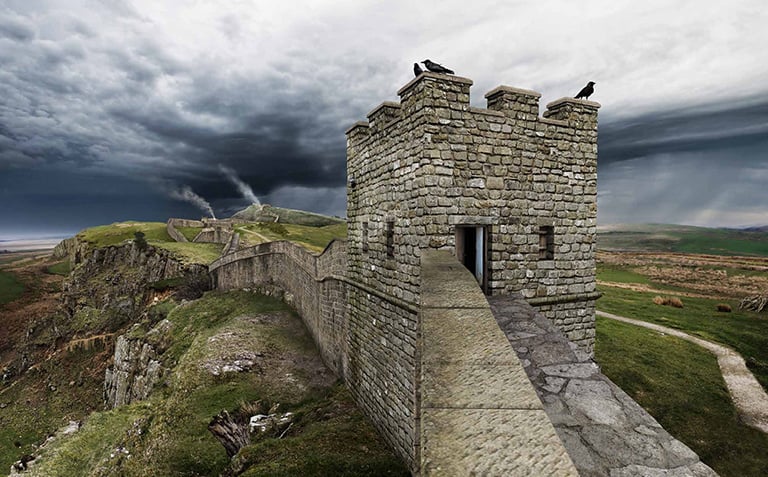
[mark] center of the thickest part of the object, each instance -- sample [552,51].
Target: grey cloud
[15,29]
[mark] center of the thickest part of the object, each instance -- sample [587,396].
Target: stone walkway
[605,432]
[748,395]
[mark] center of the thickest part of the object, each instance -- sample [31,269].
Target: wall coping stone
[428,75]
[385,104]
[358,124]
[557,299]
[577,102]
[510,89]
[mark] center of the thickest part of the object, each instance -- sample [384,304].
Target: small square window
[546,242]
[390,234]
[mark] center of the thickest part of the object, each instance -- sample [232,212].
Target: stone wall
[431,163]
[313,285]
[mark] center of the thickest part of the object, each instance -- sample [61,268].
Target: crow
[586,91]
[435,68]
[417,69]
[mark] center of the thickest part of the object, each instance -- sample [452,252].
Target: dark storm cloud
[694,129]
[138,91]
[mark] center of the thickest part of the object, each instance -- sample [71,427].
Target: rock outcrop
[137,367]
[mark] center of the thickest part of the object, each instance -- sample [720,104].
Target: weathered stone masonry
[432,164]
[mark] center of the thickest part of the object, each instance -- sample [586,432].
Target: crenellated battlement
[448,97]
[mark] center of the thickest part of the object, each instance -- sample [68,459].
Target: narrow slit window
[546,242]
[365,236]
[390,234]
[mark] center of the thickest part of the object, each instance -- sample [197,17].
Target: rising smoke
[245,189]
[185,193]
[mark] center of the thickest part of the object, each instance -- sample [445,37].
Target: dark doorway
[472,251]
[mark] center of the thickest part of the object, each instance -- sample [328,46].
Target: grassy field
[680,238]
[113,234]
[746,332]
[10,288]
[680,384]
[312,238]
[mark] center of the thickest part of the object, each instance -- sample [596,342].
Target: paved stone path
[748,395]
[605,432]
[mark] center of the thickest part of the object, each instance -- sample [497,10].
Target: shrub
[724,307]
[141,241]
[675,302]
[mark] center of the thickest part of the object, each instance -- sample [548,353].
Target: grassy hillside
[155,234]
[168,433]
[682,238]
[312,238]
[268,213]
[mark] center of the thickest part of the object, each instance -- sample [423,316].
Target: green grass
[610,273]
[10,288]
[743,331]
[267,213]
[189,252]
[189,232]
[113,234]
[680,384]
[61,268]
[337,445]
[685,239]
[93,446]
[312,238]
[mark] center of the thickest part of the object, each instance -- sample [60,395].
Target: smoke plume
[185,193]
[245,189]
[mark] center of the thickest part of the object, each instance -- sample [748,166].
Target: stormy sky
[110,109]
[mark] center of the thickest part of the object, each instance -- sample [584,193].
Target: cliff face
[117,279]
[111,289]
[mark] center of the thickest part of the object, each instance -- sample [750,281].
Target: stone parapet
[479,413]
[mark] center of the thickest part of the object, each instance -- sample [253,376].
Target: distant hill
[762,228]
[268,213]
[683,238]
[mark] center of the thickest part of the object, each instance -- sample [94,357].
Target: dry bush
[675,302]
[724,307]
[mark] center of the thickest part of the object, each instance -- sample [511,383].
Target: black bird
[586,91]
[435,68]
[417,69]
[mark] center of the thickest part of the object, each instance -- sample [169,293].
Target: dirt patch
[706,276]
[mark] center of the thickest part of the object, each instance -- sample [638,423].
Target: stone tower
[511,194]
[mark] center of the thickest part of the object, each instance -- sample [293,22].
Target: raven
[586,91]
[435,68]
[417,69]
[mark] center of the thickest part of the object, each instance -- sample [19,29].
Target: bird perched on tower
[417,69]
[436,68]
[586,91]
